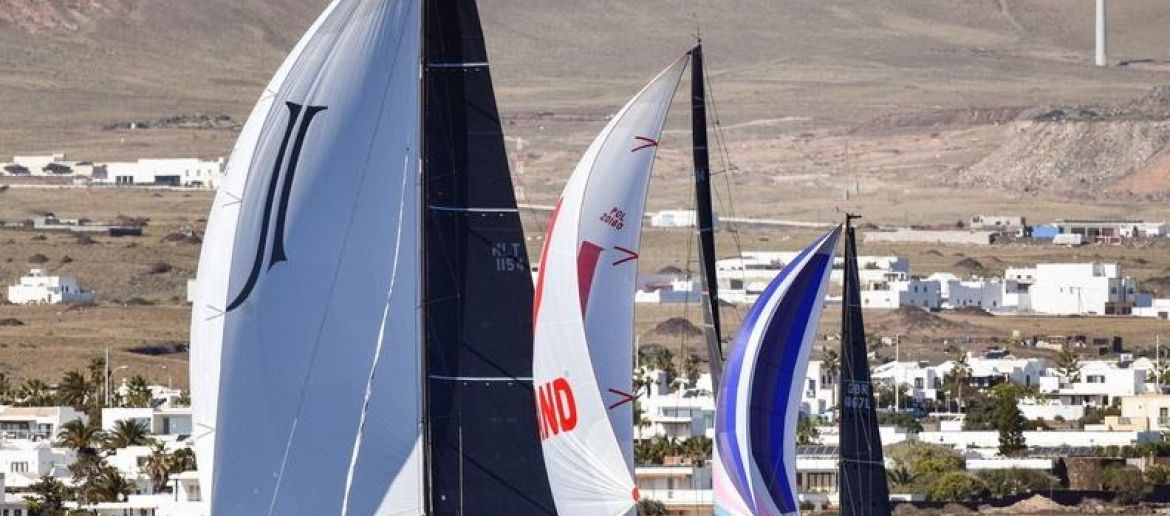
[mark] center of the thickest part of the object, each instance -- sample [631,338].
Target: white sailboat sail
[211,284]
[583,310]
[316,291]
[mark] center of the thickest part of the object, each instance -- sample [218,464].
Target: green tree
[183,459]
[184,399]
[137,392]
[900,419]
[108,485]
[1008,482]
[924,460]
[49,497]
[1158,474]
[806,431]
[956,486]
[1009,421]
[1068,365]
[35,393]
[958,377]
[691,370]
[158,466]
[832,368]
[901,476]
[5,389]
[75,390]
[648,507]
[1126,482]
[697,449]
[127,432]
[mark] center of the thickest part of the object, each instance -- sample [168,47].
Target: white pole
[1158,362]
[898,375]
[1101,60]
[107,386]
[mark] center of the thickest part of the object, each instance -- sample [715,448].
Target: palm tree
[832,366]
[648,507]
[108,486]
[901,476]
[127,432]
[80,436]
[5,389]
[691,370]
[158,466]
[35,393]
[138,392]
[959,375]
[75,391]
[183,459]
[697,448]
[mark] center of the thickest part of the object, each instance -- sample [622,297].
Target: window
[812,385]
[1095,378]
[918,384]
[18,467]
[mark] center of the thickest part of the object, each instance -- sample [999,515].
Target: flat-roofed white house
[34,422]
[40,288]
[1090,288]
[25,462]
[161,421]
[180,172]
[926,294]
[674,219]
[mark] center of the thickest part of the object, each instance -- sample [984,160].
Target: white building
[1158,308]
[677,413]
[675,219]
[24,462]
[684,489]
[185,172]
[743,278]
[924,294]
[923,382]
[35,423]
[819,395]
[1074,289]
[175,421]
[11,504]
[987,294]
[1098,383]
[39,288]
[676,291]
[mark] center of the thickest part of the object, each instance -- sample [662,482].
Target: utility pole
[1158,362]
[897,372]
[1101,59]
[106,389]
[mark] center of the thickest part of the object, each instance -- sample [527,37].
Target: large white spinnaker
[211,283]
[584,313]
[319,388]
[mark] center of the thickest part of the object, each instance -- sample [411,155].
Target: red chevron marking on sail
[587,258]
[632,255]
[552,223]
[643,142]
[625,398]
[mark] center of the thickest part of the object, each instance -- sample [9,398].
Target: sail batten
[583,313]
[758,409]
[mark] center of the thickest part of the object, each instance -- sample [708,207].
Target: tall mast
[482,447]
[705,218]
[862,474]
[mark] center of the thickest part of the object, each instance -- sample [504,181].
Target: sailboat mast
[705,218]
[862,473]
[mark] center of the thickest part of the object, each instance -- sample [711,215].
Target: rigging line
[357,440]
[344,244]
[725,160]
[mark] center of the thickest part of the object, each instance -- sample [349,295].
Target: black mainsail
[483,450]
[704,221]
[862,474]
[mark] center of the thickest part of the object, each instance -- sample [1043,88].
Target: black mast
[862,474]
[483,452]
[705,218]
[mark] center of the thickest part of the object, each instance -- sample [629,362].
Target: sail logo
[556,408]
[615,218]
[299,119]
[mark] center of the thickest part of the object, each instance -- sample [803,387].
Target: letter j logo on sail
[299,118]
[556,408]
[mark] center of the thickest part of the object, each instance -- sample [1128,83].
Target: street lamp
[170,382]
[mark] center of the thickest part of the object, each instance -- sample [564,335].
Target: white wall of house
[40,288]
[24,462]
[913,292]
[1076,288]
[187,172]
[160,421]
[1098,383]
[41,423]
